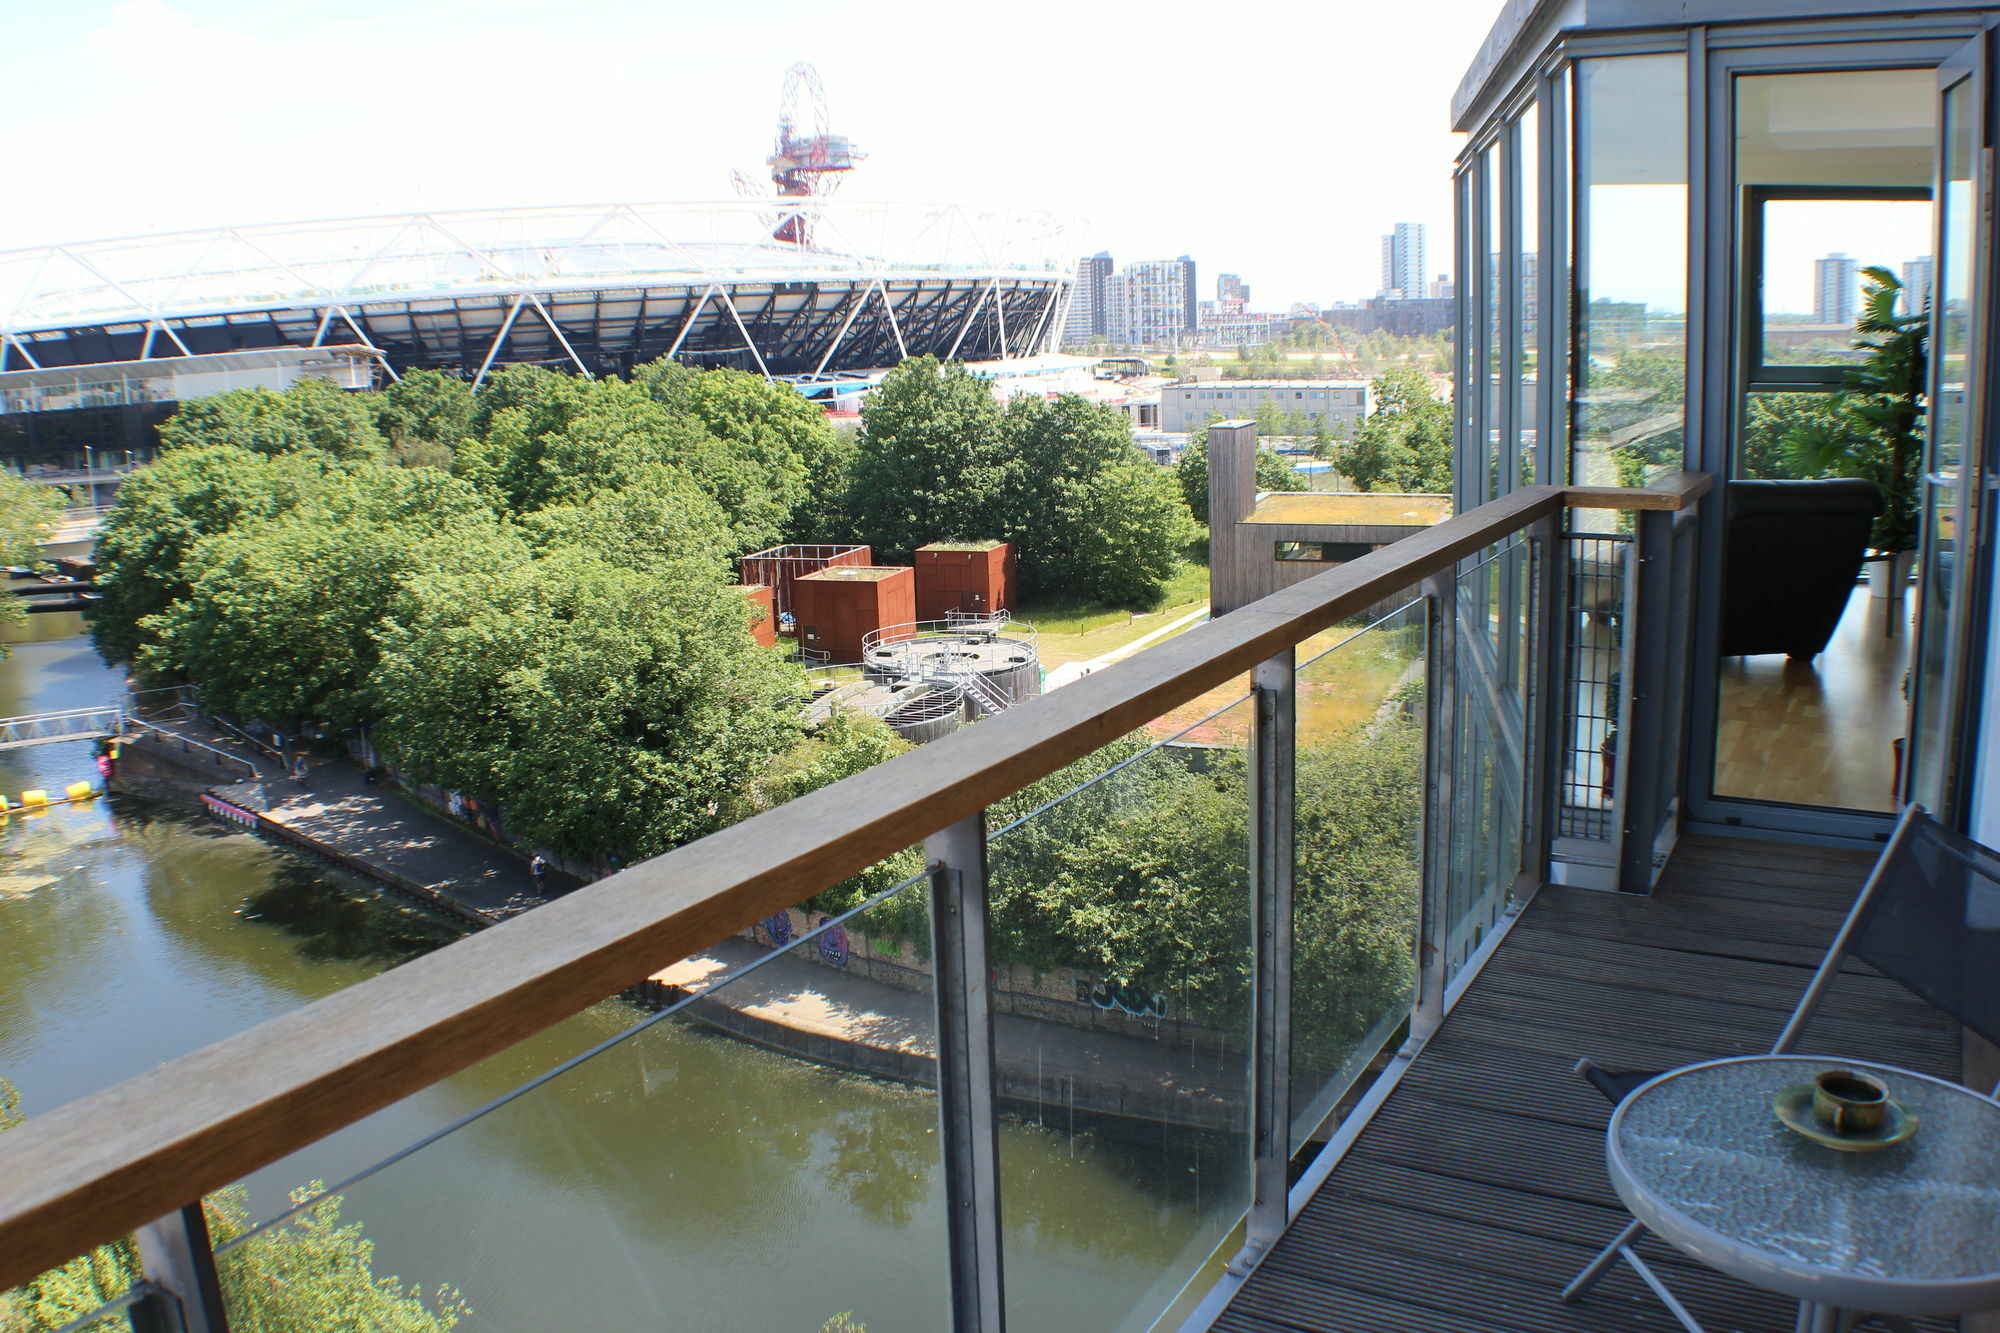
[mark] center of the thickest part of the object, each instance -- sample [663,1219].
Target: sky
[1276,140]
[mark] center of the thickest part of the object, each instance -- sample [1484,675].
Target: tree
[545,443]
[164,510]
[1770,419]
[1126,531]
[931,459]
[1274,473]
[280,615]
[845,744]
[780,447]
[608,708]
[313,1272]
[1405,445]
[1882,437]
[1061,452]
[423,417]
[313,414]
[27,511]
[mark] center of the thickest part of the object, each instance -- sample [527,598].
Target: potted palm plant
[1878,434]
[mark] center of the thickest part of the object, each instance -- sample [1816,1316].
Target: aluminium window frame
[1757,374]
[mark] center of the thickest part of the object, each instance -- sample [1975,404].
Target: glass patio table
[1701,1159]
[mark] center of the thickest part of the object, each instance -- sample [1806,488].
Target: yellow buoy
[35,797]
[80,791]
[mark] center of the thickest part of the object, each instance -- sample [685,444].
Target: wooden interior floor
[1479,1189]
[1819,732]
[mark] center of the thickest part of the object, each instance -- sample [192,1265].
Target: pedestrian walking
[539,869]
[300,770]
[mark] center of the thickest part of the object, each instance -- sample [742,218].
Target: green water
[680,1181]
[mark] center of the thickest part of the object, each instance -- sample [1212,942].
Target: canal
[680,1180]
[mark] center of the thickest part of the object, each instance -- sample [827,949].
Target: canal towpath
[337,812]
[835,1017]
[786,1003]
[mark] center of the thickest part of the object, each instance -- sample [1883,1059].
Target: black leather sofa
[1793,551]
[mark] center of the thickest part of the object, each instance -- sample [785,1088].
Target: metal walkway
[73,724]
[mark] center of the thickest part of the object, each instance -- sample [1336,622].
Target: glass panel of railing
[92,1293]
[1120,924]
[1358,815]
[1489,706]
[762,1154]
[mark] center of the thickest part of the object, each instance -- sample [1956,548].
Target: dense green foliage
[311,415]
[549,624]
[939,460]
[1769,419]
[423,416]
[1404,446]
[313,1272]
[27,510]
[1141,875]
[1877,432]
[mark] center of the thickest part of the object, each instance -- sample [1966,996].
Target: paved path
[844,1019]
[1070,671]
[381,828]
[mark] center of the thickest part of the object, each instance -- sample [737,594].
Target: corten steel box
[839,605]
[765,628]
[782,566]
[964,576]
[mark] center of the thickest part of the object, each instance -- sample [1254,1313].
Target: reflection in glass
[1487,746]
[1495,290]
[1121,954]
[1357,882]
[1527,298]
[1631,244]
[1943,498]
[766,1156]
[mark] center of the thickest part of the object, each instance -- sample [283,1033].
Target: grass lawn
[1072,631]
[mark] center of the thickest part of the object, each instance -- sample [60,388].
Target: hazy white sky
[1277,140]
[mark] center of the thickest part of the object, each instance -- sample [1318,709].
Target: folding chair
[1929,919]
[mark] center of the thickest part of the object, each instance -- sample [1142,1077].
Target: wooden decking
[1479,1189]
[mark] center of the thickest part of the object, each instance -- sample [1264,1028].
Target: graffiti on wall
[1124,997]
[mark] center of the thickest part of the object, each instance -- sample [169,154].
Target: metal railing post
[185,1294]
[1274,687]
[962,970]
[1440,745]
[1548,687]
[1643,752]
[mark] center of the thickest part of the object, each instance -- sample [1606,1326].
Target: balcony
[1333,1070]
[1477,1190]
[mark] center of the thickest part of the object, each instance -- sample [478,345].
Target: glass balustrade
[1358,859]
[762,1155]
[1121,951]
[1486,744]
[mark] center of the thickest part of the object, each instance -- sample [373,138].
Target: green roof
[962,546]
[856,573]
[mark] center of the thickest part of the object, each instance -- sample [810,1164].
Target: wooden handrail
[1677,490]
[73,1178]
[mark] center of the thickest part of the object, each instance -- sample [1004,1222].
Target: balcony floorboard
[1479,1190]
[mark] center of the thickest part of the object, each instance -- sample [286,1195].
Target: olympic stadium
[810,290]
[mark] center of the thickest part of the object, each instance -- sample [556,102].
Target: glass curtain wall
[1629,410]
[1525,380]
[1505,289]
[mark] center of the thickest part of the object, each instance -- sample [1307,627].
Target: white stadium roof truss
[595,288]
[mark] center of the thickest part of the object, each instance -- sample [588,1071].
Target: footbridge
[82,724]
[71,724]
